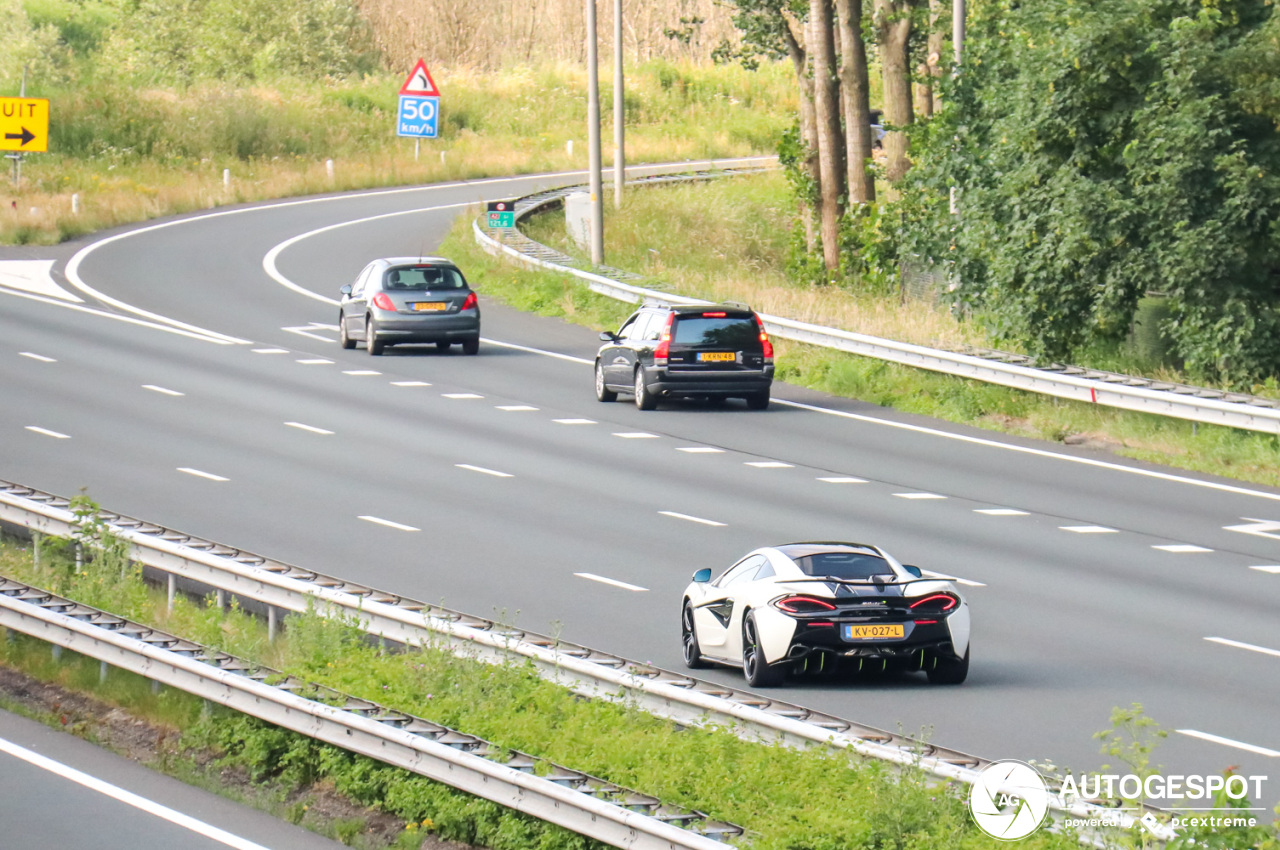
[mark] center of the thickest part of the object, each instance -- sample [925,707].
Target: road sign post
[418,116]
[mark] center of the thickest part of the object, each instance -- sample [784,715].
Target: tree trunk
[855,94]
[808,126]
[893,29]
[826,104]
[931,70]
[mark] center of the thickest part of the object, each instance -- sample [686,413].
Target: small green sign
[502,219]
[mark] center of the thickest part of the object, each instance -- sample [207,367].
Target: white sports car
[810,606]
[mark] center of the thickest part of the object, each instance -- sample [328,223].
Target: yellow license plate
[717,356]
[880,632]
[429,306]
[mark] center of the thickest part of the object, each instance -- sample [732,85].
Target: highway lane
[1068,624]
[118,804]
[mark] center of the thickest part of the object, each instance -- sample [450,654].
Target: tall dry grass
[490,34]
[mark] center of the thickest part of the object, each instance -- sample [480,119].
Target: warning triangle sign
[420,83]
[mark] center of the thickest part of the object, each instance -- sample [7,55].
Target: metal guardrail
[577,801]
[1126,392]
[599,675]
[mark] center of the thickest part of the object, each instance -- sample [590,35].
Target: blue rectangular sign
[419,116]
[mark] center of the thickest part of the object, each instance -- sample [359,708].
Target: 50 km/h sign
[24,124]
[419,113]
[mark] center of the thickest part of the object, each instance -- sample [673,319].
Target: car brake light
[936,603]
[803,605]
[663,350]
[383,302]
[814,624]
[764,341]
[714,315]
[925,622]
[471,301]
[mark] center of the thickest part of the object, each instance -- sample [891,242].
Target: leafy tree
[1107,149]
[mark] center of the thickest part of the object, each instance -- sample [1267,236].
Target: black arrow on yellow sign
[26,136]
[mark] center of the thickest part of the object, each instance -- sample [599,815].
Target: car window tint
[423,278]
[766,571]
[653,330]
[642,327]
[733,333]
[850,565]
[358,289]
[628,327]
[744,571]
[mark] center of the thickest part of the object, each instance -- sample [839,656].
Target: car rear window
[847,565]
[733,332]
[424,277]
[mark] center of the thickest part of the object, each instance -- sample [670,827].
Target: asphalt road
[117,804]
[1094,581]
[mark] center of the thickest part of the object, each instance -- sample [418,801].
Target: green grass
[728,239]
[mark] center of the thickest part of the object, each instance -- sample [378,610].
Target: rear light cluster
[663,351]
[383,302]
[471,301]
[803,605]
[929,608]
[765,343]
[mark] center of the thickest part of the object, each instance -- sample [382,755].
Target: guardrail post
[172,590]
[103,667]
[57,652]
[271,623]
[35,550]
[156,686]
[222,600]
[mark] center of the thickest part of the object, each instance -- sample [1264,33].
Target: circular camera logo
[1009,800]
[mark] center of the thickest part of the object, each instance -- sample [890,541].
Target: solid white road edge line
[611,581]
[80,308]
[388,523]
[128,797]
[1241,645]
[1227,742]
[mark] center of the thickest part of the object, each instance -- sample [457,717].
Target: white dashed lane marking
[461,395]
[613,582]
[635,435]
[198,473]
[360,372]
[46,432]
[399,526]
[918,496]
[410,384]
[1252,647]
[1273,569]
[692,518]
[514,408]
[1181,548]
[769,464]
[1001,512]
[35,356]
[313,429]
[843,479]
[484,470]
[315,361]
[270,351]
[574,421]
[700,450]
[1088,529]
[1227,742]
[162,390]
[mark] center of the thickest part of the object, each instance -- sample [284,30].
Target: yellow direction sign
[24,124]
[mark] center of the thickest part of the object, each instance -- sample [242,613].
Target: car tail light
[925,622]
[814,624]
[663,351]
[383,302]
[765,342]
[803,605]
[719,315]
[471,303]
[935,603]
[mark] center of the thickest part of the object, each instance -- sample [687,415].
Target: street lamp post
[593,135]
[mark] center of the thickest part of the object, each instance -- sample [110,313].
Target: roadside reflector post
[75,204]
[328,168]
[226,178]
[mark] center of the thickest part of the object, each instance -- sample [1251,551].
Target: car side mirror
[346,290]
[608,336]
[702,576]
[915,571]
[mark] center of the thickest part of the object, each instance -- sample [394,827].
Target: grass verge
[728,240]
[817,799]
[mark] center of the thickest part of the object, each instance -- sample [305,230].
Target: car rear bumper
[434,329]
[664,382]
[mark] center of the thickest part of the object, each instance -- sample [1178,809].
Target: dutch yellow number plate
[717,357]
[879,632]
[429,306]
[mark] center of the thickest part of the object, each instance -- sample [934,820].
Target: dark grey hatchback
[409,299]
[713,351]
